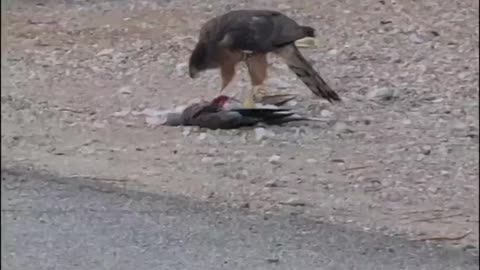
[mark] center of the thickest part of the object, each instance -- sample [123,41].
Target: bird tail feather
[306,73]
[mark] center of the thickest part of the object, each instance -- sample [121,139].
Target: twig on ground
[357,168]
[446,238]
[435,218]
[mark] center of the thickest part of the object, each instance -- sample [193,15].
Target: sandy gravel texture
[82,82]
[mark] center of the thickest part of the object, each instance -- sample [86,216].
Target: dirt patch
[400,155]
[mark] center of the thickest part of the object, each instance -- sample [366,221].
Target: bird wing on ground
[224,120]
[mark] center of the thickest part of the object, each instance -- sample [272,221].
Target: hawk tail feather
[305,72]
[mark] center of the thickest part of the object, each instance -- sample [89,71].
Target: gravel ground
[82,82]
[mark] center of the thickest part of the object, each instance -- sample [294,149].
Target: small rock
[381,94]
[125,90]
[249,158]
[326,113]
[105,52]
[459,126]
[311,160]
[273,260]
[262,133]
[420,157]
[206,159]
[245,205]
[239,153]
[341,127]
[153,121]
[291,103]
[284,7]
[97,124]
[368,120]
[274,159]
[241,175]
[181,69]
[271,183]
[219,162]
[406,121]
[121,113]
[464,75]
[332,52]
[280,66]
[186,131]
[202,136]
[279,84]
[294,202]
[426,150]
[212,152]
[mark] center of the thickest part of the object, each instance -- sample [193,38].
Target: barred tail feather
[305,72]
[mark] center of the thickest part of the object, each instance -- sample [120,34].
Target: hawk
[249,35]
[223,112]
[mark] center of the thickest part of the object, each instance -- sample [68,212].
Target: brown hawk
[249,35]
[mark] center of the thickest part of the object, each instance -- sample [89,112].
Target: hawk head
[200,60]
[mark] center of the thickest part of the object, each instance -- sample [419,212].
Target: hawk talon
[260,93]
[249,104]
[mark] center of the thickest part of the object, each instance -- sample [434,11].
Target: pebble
[202,136]
[332,52]
[274,159]
[105,52]
[341,127]
[241,175]
[206,159]
[121,113]
[426,150]
[459,126]
[153,121]
[126,90]
[181,69]
[271,183]
[284,7]
[97,124]
[383,93]
[239,153]
[279,83]
[291,103]
[294,202]
[326,113]
[406,121]
[311,160]
[262,133]
[219,162]
[186,131]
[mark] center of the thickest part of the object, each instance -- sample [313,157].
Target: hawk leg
[230,60]
[227,73]
[257,68]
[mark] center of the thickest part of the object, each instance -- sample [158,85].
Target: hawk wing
[255,30]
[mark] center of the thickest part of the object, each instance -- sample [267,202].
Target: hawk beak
[193,73]
[307,42]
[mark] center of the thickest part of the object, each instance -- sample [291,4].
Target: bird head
[221,100]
